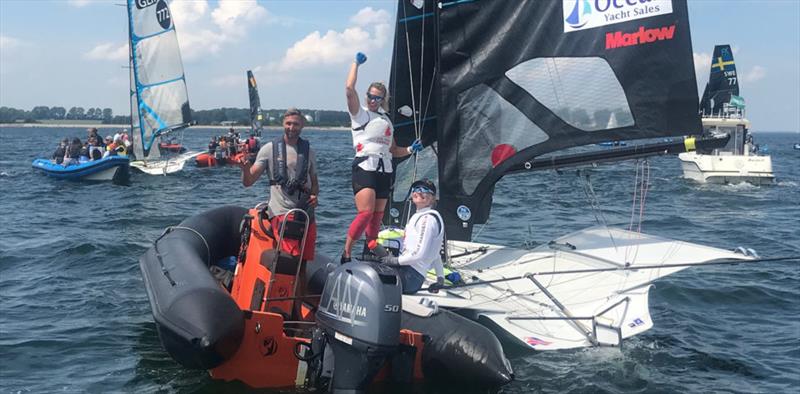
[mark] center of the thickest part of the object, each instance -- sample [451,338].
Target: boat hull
[243,335]
[112,168]
[198,323]
[163,166]
[724,169]
[547,311]
[207,160]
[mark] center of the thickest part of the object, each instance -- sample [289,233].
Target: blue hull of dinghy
[87,169]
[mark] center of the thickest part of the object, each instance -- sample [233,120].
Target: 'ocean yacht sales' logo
[580,14]
[588,14]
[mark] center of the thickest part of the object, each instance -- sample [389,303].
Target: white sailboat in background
[487,103]
[723,113]
[159,100]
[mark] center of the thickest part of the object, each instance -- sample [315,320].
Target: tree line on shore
[216,116]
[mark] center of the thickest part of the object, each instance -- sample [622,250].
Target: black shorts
[379,181]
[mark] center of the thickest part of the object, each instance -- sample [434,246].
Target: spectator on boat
[424,236]
[251,147]
[212,146]
[290,164]
[372,166]
[84,156]
[232,145]
[119,146]
[61,151]
[73,152]
[92,134]
[95,151]
[223,146]
[110,151]
[126,141]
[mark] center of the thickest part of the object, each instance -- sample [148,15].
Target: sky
[74,52]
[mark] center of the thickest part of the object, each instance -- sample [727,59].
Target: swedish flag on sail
[723,61]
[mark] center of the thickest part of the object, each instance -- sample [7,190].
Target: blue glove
[415,147]
[361,58]
[454,278]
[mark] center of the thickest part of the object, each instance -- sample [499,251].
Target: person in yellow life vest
[115,148]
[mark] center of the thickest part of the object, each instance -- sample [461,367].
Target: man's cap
[423,186]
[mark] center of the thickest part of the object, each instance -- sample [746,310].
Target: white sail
[159,100]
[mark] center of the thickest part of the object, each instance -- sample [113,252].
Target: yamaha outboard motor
[360,314]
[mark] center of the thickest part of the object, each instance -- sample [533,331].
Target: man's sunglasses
[374,98]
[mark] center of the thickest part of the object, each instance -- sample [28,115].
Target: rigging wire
[641,186]
[599,217]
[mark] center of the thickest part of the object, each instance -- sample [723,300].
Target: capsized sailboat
[723,112]
[494,88]
[159,100]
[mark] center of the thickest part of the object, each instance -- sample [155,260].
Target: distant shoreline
[125,126]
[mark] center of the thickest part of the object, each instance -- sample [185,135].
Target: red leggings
[365,221]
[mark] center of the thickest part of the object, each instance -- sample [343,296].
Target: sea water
[74,316]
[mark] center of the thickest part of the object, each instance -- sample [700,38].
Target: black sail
[256,116]
[494,85]
[519,79]
[413,88]
[722,82]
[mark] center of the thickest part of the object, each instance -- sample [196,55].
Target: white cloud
[108,51]
[335,47]
[754,74]
[201,32]
[8,43]
[233,17]
[79,3]
[702,63]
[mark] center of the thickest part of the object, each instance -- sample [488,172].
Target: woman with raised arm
[374,144]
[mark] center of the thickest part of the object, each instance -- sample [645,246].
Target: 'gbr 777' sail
[159,101]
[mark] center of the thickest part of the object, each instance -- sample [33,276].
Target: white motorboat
[723,113]
[739,161]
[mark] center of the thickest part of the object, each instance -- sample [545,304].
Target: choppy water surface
[75,317]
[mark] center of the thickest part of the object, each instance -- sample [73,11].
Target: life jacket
[374,137]
[437,216]
[278,174]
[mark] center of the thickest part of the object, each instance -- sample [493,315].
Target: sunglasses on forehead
[374,98]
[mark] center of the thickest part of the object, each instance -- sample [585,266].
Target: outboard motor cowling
[360,314]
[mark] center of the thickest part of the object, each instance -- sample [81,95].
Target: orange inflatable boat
[271,321]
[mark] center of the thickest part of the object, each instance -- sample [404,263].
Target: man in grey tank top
[291,185]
